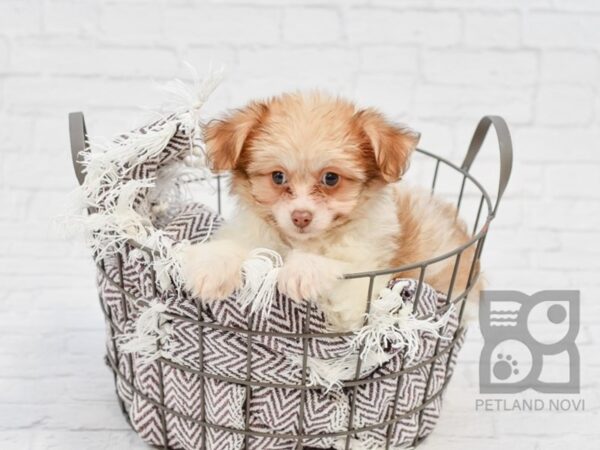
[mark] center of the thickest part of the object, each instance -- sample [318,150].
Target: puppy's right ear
[225,139]
[391,144]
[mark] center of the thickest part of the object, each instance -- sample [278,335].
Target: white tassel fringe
[150,340]
[114,218]
[390,325]
[260,273]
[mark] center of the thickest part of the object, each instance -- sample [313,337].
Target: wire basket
[466,192]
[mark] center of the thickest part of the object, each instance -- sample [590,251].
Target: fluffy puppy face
[306,162]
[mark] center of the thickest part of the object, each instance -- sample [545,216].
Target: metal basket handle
[78,136]
[504,144]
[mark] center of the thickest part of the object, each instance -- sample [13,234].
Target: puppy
[315,178]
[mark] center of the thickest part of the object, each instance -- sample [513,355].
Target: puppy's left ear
[391,144]
[226,138]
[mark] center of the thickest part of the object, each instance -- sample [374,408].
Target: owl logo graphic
[529,342]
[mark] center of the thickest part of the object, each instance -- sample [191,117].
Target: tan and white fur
[282,153]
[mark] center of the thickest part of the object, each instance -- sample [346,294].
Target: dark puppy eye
[330,179]
[279,177]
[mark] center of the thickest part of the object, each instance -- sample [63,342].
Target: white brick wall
[437,64]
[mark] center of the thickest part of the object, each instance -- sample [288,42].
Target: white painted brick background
[437,64]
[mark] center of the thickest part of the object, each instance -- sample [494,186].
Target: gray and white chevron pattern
[173,400]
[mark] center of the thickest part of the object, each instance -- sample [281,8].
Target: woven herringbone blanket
[162,386]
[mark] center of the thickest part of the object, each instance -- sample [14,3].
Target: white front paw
[306,276]
[213,270]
